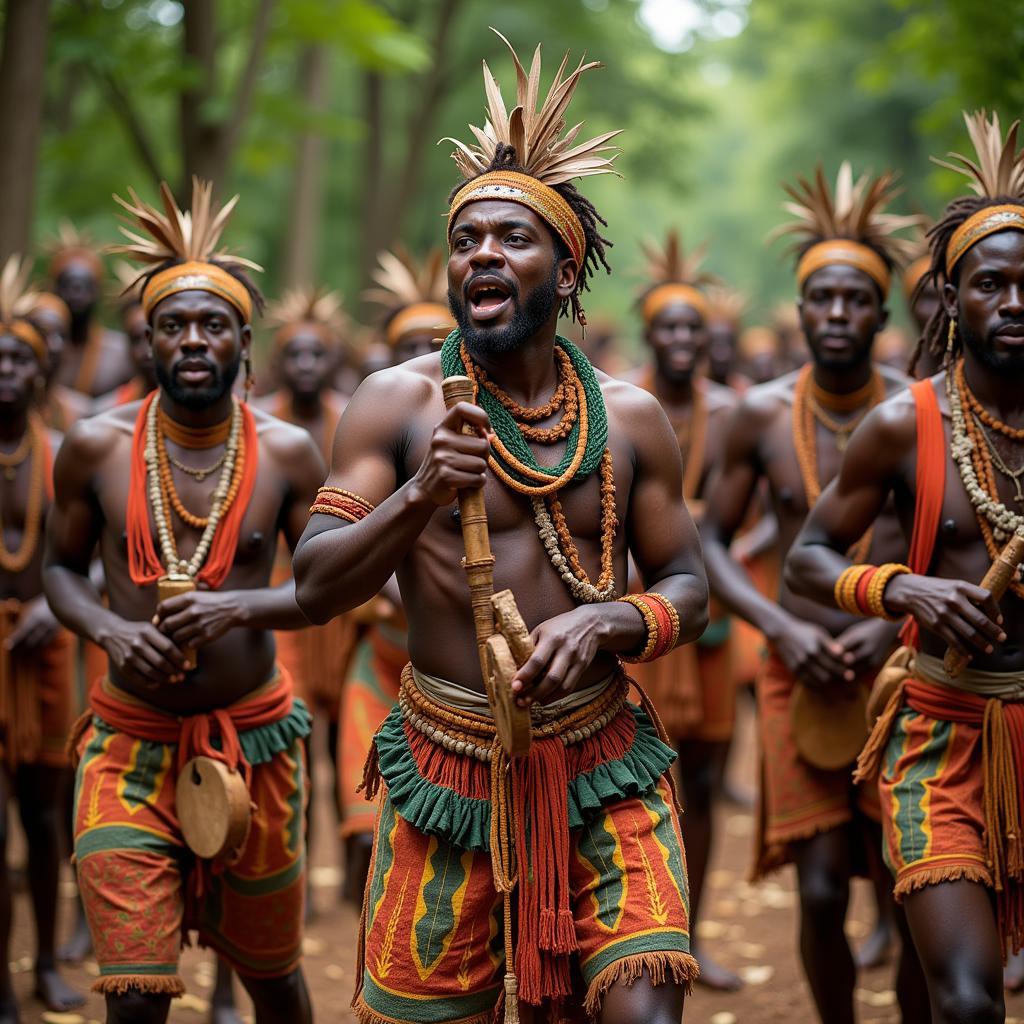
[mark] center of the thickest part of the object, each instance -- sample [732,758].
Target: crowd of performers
[180,582]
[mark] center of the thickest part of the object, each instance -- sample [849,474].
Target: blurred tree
[22,78]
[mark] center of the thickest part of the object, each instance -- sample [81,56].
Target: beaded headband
[420,316]
[1008,217]
[197,276]
[30,335]
[848,253]
[667,294]
[514,187]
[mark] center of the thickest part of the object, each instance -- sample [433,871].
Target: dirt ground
[749,928]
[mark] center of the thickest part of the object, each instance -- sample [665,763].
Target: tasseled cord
[503,867]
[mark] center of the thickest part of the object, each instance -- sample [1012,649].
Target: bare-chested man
[692,687]
[96,359]
[790,433]
[192,488]
[35,678]
[946,452]
[600,898]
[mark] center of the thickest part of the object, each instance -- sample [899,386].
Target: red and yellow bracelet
[662,622]
[336,501]
[860,589]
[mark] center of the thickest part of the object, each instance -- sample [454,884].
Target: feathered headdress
[413,295]
[69,246]
[996,172]
[16,303]
[189,238]
[541,150]
[848,226]
[522,157]
[127,286]
[674,274]
[299,306]
[725,304]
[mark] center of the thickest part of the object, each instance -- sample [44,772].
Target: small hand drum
[213,808]
[896,669]
[829,730]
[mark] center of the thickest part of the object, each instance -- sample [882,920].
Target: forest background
[325,114]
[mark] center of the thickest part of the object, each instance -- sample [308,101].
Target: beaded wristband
[336,501]
[662,622]
[876,590]
[844,592]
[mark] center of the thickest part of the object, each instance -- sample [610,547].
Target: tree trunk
[373,168]
[302,245]
[22,91]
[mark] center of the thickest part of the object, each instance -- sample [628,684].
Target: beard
[857,355]
[198,398]
[984,350]
[528,317]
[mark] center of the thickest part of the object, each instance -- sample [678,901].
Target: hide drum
[213,808]
[829,731]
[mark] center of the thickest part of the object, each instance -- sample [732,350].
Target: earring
[250,377]
[950,340]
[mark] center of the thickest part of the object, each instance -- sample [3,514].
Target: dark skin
[79,287]
[414,344]
[39,788]
[63,405]
[679,341]
[953,923]
[841,311]
[924,304]
[722,338]
[397,448]
[193,335]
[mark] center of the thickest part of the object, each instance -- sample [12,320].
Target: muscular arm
[963,615]
[730,491]
[340,565]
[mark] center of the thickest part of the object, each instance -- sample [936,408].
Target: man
[35,654]
[188,491]
[945,452]
[135,326]
[596,904]
[413,297]
[692,688]
[790,433]
[61,405]
[96,359]
[924,301]
[309,326]
[726,307]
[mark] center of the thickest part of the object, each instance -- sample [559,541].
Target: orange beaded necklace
[18,561]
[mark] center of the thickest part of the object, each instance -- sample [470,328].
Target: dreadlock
[505,159]
[935,338]
[234,269]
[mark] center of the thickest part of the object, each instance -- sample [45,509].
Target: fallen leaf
[757,974]
[324,877]
[53,1017]
[720,879]
[887,997]
[311,946]
[193,1003]
[751,950]
[710,929]
[723,1017]
[334,972]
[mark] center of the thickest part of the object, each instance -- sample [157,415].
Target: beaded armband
[662,622]
[336,501]
[860,589]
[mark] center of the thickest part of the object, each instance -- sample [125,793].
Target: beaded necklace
[18,561]
[581,404]
[691,434]
[805,440]
[974,462]
[162,492]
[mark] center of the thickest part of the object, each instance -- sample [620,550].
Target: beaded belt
[471,734]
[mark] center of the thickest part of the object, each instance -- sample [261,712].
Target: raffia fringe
[937,875]
[156,984]
[869,762]
[368,1016]
[659,966]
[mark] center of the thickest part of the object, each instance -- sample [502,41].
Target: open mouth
[488,298]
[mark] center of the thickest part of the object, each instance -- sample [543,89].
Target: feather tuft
[309,305]
[998,167]
[16,300]
[671,264]
[401,281]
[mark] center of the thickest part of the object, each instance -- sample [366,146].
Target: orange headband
[55,304]
[980,225]
[30,335]
[848,253]
[289,331]
[913,274]
[420,316]
[65,257]
[194,276]
[513,187]
[666,294]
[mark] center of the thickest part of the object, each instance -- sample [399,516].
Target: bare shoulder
[98,436]
[762,403]
[719,398]
[268,402]
[891,427]
[895,380]
[628,401]
[282,439]
[399,390]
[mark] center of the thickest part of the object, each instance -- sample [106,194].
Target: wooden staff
[996,580]
[497,664]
